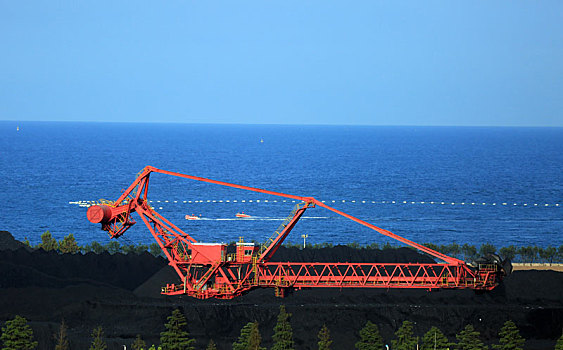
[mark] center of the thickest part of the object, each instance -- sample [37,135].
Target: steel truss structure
[206,270]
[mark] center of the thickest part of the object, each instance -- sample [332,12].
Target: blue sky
[283,62]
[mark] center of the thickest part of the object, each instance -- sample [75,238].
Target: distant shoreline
[172,122]
[537,266]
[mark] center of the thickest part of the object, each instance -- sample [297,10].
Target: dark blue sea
[429,184]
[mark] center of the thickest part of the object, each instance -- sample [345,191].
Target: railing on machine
[280,228]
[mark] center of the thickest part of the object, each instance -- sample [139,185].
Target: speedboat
[242,215]
[191,217]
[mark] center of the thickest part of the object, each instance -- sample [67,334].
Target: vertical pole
[304,238]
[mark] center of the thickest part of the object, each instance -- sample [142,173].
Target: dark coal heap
[7,242]
[121,293]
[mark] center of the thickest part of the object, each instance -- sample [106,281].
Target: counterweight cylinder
[99,214]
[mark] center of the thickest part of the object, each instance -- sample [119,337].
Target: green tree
[548,254]
[242,341]
[211,345]
[559,344]
[283,333]
[405,337]
[48,243]
[98,339]
[87,248]
[26,242]
[324,338]
[255,338]
[113,247]
[510,338]
[176,337]
[97,247]
[454,249]
[68,244]
[155,348]
[139,343]
[250,338]
[444,249]
[61,337]
[353,245]
[468,339]
[469,251]
[126,249]
[154,249]
[508,252]
[434,339]
[486,249]
[17,335]
[370,339]
[528,254]
[141,248]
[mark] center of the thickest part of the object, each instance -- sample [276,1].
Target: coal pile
[7,242]
[53,270]
[121,293]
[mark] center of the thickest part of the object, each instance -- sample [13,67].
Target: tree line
[525,254]
[18,335]
[68,245]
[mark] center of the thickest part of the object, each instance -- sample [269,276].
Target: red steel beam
[387,233]
[336,275]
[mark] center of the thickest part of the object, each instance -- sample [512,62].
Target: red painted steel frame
[228,278]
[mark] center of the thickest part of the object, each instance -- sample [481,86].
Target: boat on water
[191,217]
[242,215]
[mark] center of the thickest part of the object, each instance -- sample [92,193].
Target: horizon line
[281,124]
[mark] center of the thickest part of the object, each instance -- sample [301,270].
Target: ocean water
[429,184]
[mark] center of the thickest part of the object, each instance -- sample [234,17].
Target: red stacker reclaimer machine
[206,270]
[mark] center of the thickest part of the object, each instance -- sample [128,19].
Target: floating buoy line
[396,202]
